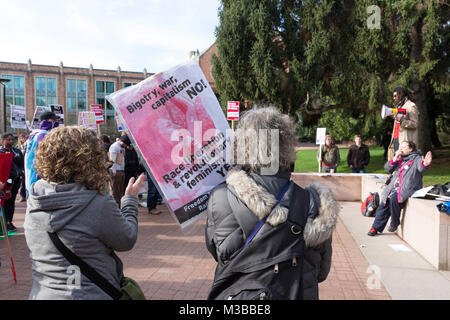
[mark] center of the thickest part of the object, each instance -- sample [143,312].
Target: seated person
[407,166]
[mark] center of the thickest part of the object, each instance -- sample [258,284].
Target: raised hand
[427,159]
[398,153]
[134,187]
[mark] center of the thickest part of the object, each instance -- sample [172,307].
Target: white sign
[320,136]
[120,125]
[87,119]
[18,117]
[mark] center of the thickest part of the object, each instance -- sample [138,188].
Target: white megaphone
[386,111]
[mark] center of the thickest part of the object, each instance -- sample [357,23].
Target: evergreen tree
[308,57]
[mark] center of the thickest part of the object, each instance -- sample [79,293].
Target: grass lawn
[439,172]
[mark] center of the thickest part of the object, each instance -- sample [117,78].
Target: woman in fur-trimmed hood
[270,266]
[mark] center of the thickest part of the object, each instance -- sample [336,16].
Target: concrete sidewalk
[404,273]
[169,263]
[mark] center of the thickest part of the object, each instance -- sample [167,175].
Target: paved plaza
[174,264]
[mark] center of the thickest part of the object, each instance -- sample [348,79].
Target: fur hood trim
[320,229]
[256,197]
[260,201]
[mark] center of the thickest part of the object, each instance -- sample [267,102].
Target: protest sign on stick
[97,109]
[320,140]
[176,124]
[18,117]
[120,125]
[87,119]
[232,112]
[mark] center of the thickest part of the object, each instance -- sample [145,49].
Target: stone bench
[422,226]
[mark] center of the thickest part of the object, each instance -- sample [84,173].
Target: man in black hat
[49,120]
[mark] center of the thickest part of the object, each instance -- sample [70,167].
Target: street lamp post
[3,82]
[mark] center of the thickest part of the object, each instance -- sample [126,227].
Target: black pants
[392,209]
[10,204]
[153,195]
[22,191]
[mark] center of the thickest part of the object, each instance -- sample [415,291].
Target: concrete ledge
[345,187]
[427,230]
[423,227]
[372,184]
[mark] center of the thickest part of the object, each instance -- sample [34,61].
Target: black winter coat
[225,235]
[358,158]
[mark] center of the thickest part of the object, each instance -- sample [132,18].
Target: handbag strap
[86,269]
[263,220]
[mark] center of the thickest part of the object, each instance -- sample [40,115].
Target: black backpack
[271,266]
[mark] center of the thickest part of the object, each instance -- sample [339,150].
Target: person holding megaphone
[406,120]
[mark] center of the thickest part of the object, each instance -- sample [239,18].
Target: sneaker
[372,232]
[392,229]
[11,227]
[154,211]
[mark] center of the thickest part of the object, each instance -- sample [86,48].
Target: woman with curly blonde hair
[70,200]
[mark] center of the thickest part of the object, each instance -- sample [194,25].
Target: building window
[15,95]
[128,84]
[102,89]
[76,100]
[45,91]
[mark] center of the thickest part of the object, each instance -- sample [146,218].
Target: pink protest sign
[178,127]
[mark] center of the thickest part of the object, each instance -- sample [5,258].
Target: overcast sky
[132,34]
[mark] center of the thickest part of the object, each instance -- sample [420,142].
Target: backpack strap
[86,269]
[299,207]
[263,220]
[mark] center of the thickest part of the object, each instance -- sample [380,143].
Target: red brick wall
[22,69]
[206,65]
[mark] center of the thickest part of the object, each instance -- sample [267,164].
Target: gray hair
[266,133]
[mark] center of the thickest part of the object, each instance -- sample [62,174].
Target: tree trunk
[420,99]
[419,95]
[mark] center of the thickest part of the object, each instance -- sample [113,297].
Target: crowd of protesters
[76,182]
[121,168]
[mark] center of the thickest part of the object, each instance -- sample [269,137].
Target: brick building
[75,88]
[204,60]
